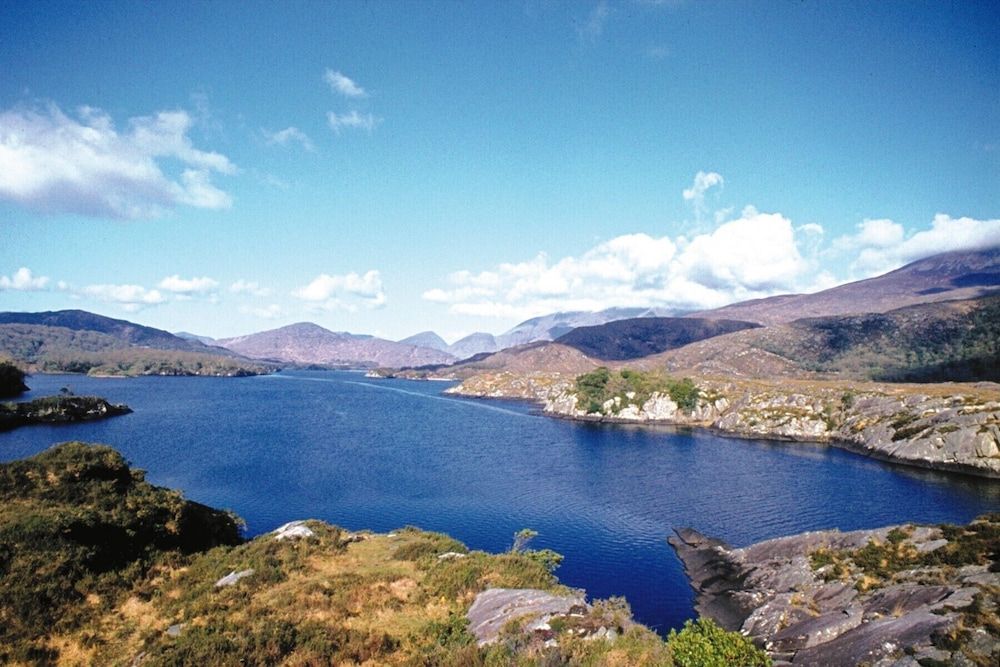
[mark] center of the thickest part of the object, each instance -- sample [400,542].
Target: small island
[61,409]
[58,410]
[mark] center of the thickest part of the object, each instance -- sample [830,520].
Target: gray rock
[176,629]
[292,530]
[870,642]
[233,577]
[495,607]
[818,630]
[902,599]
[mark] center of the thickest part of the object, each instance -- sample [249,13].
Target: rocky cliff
[902,596]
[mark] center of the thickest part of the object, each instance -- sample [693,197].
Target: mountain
[308,343]
[427,339]
[121,330]
[944,277]
[554,325]
[641,337]
[473,344]
[204,340]
[930,342]
[76,341]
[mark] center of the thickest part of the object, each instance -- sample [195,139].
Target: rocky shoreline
[58,410]
[902,596]
[954,428]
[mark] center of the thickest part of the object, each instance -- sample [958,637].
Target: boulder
[494,608]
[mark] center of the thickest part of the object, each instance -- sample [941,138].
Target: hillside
[630,339]
[554,325]
[116,347]
[134,574]
[934,342]
[944,277]
[306,343]
[127,333]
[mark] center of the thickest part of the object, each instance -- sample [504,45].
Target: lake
[381,454]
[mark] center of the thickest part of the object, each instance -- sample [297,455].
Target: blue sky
[224,167]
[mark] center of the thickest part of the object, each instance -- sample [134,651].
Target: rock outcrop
[58,410]
[956,429]
[906,595]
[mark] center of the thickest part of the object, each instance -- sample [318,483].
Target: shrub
[702,643]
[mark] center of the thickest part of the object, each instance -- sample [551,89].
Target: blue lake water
[382,454]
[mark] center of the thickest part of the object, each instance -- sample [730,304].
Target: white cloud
[343,292]
[351,120]
[592,28]
[343,84]
[23,280]
[882,245]
[187,286]
[287,136]
[755,255]
[703,182]
[270,312]
[130,297]
[252,288]
[53,163]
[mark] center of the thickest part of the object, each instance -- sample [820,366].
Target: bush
[702,643]
[593,389]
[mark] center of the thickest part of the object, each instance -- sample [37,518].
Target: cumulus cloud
[54,163]
[882,245]
[342,84]
[755,255]
[130,297]
[23,280]
[351,120]
[188,286]
[343,292]
[250,287]
[288,136]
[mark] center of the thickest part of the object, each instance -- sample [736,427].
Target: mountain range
[306,343]
[934,318]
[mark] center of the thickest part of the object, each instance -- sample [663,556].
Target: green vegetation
[924,343]
[11,380]
[77,529]
[97,567]
[595,388]
[702,643]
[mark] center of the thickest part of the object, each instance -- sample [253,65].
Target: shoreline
[948,467]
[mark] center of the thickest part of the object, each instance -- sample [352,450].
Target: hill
[554,325]
[957,341]
[62,341]
[306,343]
[124,331]
[944,277]
[427,339]
[473,344]
[630,339]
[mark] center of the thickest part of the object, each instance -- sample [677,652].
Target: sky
[392,167]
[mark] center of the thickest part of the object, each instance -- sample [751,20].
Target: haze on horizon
[387,168]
